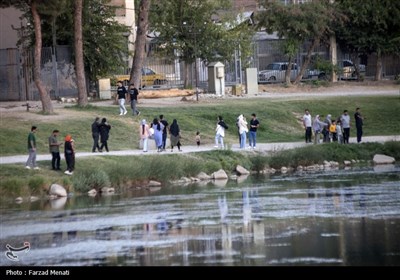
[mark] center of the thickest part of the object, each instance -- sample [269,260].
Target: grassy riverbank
[127,172]
[280,120]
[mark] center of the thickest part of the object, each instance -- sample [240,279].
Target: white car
[275,72]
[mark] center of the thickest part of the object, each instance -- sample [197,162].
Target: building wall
[245,5]
[8,36]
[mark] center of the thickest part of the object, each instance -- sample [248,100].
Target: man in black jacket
[95,135]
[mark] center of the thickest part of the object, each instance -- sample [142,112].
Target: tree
[79,59]
[105,47]
[197,29]
[309,22]
[371,26]
[32,5]
[140,44]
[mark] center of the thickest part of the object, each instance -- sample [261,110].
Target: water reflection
[345,218]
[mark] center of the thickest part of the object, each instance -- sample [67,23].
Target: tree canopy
[371,26]
[198,29]
[311,21]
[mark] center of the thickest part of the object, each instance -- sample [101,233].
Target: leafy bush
[393,149]
[258,162]
[13,186]
[36,184]
[85,180]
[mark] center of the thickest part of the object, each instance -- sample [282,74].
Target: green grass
[280,121]
[129,171]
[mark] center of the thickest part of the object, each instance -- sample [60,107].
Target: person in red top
[69,153]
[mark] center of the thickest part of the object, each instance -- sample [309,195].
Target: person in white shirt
[307,125]
[220,132]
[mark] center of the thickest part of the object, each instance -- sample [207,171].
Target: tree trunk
[79,64]
[333,55]
[378,75]
[47,106]
[140,43]
[287,72]
[307,61]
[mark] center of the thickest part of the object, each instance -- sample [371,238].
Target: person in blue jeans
[254,124]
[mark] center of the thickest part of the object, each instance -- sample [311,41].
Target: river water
[346,217]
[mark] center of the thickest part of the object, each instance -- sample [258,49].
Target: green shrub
[83,181]
[258,163]
[393,149]
[13,186]
[36,184]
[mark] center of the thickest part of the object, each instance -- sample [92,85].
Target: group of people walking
[100,131]
[158,130]
[332,130]
[131,94]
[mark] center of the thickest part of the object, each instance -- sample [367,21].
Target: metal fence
[16,74]
[58,76]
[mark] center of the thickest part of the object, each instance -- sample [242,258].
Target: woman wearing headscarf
[242,123]
[69,153]
[144,134]
[158,132]
[175,135]
[104,128]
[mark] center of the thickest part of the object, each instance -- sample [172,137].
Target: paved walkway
[261,147]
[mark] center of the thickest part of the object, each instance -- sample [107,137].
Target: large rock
[383,159]
[220,175]
[241,170]
[57,190]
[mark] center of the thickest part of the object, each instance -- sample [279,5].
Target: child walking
[198,138]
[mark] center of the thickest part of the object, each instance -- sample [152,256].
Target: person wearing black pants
[54,147]
[104,128]
[164,134]
[345,120]
[69,153]
[307,125]
[359,124]
[95,135]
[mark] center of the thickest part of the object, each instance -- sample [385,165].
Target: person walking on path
[121,97]
[175,135]
[243,131]
[69,153]
[254,124]
[220,132]
[307,125]
[158,127]
[31,162]
[345,120]
[198,138]
[144,134]
[359,124]
[164,132]
[133,95]
[96,134]
[54,147]
[104,128]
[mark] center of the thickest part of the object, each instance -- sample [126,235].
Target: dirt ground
[177,97]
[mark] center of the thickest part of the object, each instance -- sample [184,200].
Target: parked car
[348,71]
[149,78]
[275,72]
